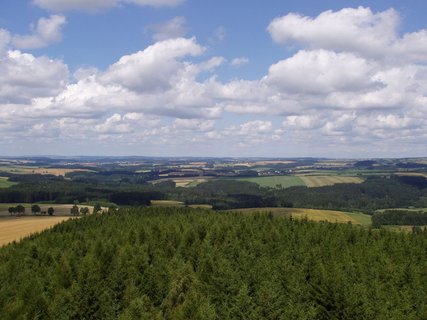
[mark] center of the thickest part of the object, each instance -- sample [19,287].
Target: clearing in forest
[5,183]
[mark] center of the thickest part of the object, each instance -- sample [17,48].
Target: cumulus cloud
[329,94]
[47,31]
[358,30]
[156,68]
[97,5]
[194,124]
[322,71]
[25,77]
[174,28]
[348,29]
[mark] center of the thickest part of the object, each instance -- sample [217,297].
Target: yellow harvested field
[313,214]
[319,181]
[16,228]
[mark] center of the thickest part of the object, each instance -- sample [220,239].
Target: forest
[182,263]
[400,217]
[123,189]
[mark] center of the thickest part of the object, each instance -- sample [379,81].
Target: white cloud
[237,62]
[154,69]
[329,95]
[194,124]
[174,28]
[24,77]
[355,30]
[361,31]
[97,5]
[321,71]
[303,121]
[250,128]
[47,31]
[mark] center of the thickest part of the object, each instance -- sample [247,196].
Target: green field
[274,181]
[178,204]
[5,183]
[302,180]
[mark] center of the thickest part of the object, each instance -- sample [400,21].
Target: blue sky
[213,78]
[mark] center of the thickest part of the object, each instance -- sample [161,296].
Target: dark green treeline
[170,263]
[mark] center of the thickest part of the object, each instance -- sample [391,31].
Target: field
[314,214]
[177,204]
[4,183]
[38,170]
[412,174]
[274,181]
[183,182]
[302,180]
[319,181]
[16,228]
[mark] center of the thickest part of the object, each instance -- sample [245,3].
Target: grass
[302,180]
[274,181]
[314,214]
[166,203]
[16,228]
[177,204]
[5,183]
[319,181]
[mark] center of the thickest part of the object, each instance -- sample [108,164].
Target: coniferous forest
[180,263]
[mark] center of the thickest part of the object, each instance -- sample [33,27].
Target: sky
[270,78]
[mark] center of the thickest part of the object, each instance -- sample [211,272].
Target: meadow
[5,183]
[310,181]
